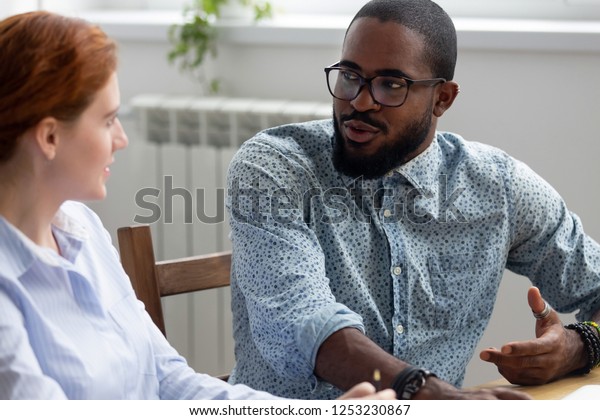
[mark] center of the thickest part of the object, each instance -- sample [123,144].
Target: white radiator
[192,141]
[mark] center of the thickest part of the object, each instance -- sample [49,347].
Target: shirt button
[399,329]
[390,174]
[397,271]
[387,213]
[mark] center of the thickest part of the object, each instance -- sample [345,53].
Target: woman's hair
[426,18]
[51,65]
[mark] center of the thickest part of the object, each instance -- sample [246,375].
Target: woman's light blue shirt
[71,326]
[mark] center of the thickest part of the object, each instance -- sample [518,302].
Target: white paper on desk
[586,392]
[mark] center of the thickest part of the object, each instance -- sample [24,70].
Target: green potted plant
[196,37]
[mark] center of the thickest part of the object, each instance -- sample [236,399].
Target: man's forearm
[348,357]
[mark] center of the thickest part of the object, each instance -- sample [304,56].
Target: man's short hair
[427,19]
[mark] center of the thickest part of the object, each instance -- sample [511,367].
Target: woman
[69,321]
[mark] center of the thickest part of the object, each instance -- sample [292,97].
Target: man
[372,242]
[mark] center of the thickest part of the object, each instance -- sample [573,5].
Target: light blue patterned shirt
[72,328]
[413,259]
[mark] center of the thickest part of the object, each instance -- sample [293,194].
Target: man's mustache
[365,118]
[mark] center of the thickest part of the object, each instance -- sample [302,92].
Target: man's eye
[393,84]
[348,75]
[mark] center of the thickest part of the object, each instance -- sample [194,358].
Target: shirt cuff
[316,330]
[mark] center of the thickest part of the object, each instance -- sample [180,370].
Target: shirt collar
[421,171]
[69,233]
[21,252]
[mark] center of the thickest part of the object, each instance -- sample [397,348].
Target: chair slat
[194,274]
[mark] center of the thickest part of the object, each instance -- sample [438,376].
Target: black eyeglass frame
[367,81]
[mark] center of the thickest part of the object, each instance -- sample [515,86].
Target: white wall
[539,105]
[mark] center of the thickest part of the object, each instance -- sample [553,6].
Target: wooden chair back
[153,279]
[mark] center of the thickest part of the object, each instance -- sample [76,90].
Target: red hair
[51,65]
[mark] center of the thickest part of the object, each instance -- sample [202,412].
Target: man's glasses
[346,84]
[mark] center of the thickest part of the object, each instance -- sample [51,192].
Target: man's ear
[446,95]
[46,136]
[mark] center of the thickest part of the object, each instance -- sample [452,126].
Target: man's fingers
[522,355]
[546,317]
[488,355]
[542,311]
[536,347]
[535,300]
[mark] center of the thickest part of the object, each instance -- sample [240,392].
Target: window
[541,9]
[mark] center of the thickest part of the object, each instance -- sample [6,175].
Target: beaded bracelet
[591,342]
[593,324]
[595,343]
[595,339]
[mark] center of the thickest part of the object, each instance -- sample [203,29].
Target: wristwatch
[410,381]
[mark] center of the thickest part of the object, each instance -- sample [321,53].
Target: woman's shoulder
[77,218]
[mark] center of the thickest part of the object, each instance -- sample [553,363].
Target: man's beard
[388,157]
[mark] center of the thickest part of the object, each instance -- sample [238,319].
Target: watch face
[414,385]
[409,382]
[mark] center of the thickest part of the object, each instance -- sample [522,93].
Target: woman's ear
[46,136]
[447,93]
